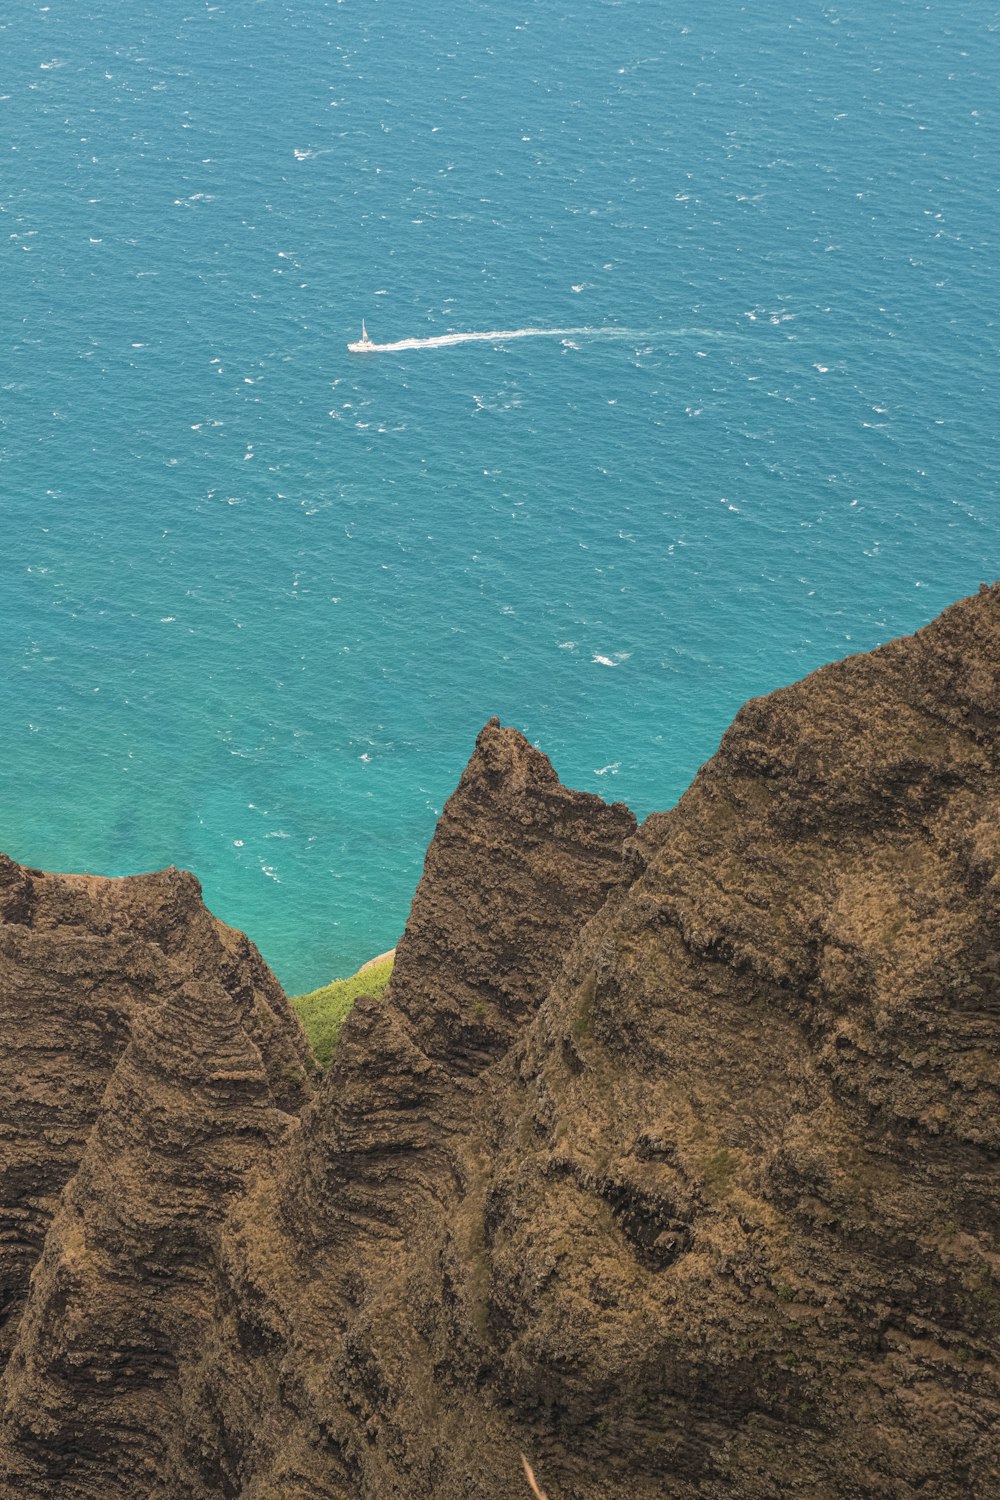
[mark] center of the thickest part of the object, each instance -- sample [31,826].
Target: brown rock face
[669,1158]
[96,1402]
[81,959]
[391,1146]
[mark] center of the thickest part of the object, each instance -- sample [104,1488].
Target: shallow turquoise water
[259,595]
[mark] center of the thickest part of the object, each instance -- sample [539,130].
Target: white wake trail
[499,336]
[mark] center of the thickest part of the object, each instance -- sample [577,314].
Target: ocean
[259,594]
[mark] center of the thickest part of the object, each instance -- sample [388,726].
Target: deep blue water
[259,595]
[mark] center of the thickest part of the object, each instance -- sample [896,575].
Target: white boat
[363,345]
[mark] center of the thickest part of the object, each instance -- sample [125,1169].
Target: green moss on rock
[323,1011]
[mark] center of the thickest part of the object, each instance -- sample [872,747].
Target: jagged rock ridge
[670,1156]
[81,959]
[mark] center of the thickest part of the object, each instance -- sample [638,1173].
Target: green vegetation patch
[323,1011]
[718,1168]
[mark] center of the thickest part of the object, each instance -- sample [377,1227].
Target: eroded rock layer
[669,1158]
[81,959]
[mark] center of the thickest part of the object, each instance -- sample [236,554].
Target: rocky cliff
[670,1156]
[81,960]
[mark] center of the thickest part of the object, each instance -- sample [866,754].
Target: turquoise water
[259,594]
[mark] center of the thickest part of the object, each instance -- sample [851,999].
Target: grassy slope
[322,1012]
